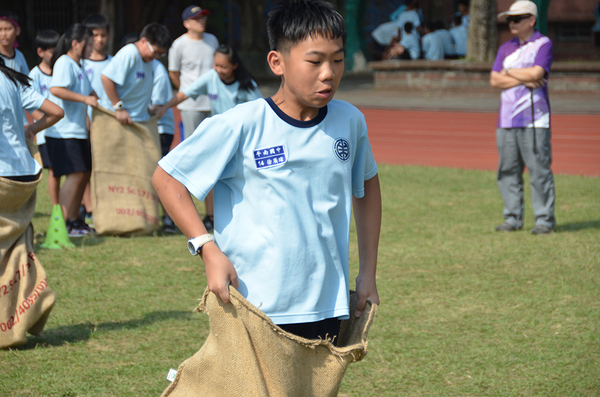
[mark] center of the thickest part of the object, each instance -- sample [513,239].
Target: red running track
[468,140]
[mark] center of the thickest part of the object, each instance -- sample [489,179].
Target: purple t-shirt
[515,103]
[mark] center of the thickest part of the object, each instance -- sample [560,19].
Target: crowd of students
[408,36]
[77,74]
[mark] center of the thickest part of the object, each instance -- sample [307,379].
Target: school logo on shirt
[43,89]
[140,75]
[341,148]
[270,157]
[79,76]
[213,97]
[89,72]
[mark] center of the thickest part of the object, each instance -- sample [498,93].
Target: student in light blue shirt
[287,171]
[227,84]
[447,41]
[69,144]
[98,58]
[41,76]
[432,45]
[16,162]
[460,35]
[128,78]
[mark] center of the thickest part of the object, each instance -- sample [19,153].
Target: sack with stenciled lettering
[124,158]
[25,298]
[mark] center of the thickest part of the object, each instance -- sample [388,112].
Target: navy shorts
[43,149]
[68,156]
[328,328]
[165,143]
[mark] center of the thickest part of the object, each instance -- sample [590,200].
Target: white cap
[521,7]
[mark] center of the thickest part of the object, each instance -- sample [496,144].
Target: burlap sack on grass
[246,354]
[25,298]
[124,158]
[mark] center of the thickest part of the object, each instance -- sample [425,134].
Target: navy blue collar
[294,122]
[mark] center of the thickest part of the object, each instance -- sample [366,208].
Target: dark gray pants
[515,147]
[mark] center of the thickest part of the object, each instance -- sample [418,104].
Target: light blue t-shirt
[410,42]
[447,41]
[409,16]
[93,69]
[69,74]
[41,84]
[17,62]
[134,80]
[222,96]
[283,200]
[460,35]
[161,94]
[433,47]
[15,159]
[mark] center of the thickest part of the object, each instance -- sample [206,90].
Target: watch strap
[196,243]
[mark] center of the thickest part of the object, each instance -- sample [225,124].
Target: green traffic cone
[57,236]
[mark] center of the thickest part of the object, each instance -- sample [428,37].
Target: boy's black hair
[295,20]
[96,21]
[47,39]
[408,27]
[464,2]
[157,34]
[438,25]
[77,32]
[13,75]
[129,38]
[241,73]
[457,19]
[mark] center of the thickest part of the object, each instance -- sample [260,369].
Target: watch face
[192,248]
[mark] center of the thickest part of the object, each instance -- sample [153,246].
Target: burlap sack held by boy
[25,298]
[124,158]
[246,354]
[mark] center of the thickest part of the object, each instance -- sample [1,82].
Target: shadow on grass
[82,332]
[78,242]
[41,215]
[576,226]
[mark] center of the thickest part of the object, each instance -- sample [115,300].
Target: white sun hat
[521,7]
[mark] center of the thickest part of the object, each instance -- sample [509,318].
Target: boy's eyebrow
[314,52]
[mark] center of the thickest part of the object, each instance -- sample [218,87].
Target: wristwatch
[196,243]
[118,105]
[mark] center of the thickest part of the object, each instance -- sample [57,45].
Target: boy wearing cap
[522,70]
[191,55]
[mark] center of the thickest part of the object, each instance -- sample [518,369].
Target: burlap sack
[25,298]
[247,355]
[124,158]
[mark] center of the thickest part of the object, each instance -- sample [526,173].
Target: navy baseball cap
[193,12]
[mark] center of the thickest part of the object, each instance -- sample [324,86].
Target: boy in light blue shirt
[287,172]
[129,77]
[98,59]
[432,45]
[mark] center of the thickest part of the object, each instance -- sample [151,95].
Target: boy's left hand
[366,288]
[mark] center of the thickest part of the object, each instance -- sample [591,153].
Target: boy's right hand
[123,117]
[220,272]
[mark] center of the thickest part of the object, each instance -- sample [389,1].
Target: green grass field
[465,311]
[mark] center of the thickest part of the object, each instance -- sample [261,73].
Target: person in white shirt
[190,56]
[460,35]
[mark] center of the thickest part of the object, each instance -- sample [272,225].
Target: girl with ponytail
[227,84]
[69,144]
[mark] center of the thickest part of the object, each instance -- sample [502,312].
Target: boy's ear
[18,31]
[39,52]
[275,59]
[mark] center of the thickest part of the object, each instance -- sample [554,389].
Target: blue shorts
[43,149]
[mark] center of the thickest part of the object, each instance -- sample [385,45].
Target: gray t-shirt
[192,58]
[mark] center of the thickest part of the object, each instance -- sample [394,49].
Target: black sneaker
[541,229]
[507,227]
[169,226]
[78,228]
[209,223]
